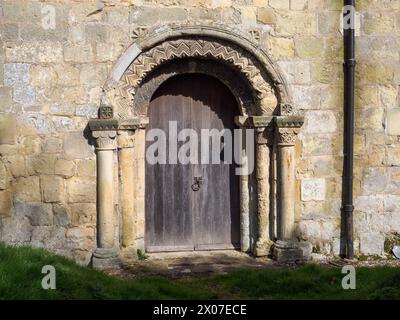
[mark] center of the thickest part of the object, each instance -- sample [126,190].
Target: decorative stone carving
[286,109]
[244,94]
[138,32]
[105,140]
[288,128]
[204,48]
[105,112]
[287,135]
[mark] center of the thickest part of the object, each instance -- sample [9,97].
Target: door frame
[196,233]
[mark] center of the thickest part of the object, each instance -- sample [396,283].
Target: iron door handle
[198,181]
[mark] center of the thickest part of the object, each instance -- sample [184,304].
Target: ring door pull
[197,182]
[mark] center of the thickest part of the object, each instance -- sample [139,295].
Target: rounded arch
[244,95]
[157,47]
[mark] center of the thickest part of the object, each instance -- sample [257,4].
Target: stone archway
[265,105]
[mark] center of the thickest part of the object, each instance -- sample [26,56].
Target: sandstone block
[372,243]
[5,99]
[37,51]
[7,129]
[65,168]
[296,72]
[15,165]
[52,145]
[82,190]
[86,168]
[393,155]
[48,237]
[329,73]
[296,23]
[83,213]
[80,237]
[281,47]
[375,180]
[279,4]
[4,179]
[62,215]
[378,23]
[41,164]
[371,118]
[392,212]
[309,47]
[25,95]
[266,16]
[93,74]
[5,203]
[89,111]
[16,74]
[393,120]
[78,53]
[39,214]
[27,189]
[313,189]
[374,73]
[52,187]
[76,146]
[320,122]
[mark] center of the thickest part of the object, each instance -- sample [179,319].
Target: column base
[262,248]
[288,251]
[105,259]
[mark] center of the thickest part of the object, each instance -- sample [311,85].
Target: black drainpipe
[347,250]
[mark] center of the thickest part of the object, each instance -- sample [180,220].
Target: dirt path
[199,264]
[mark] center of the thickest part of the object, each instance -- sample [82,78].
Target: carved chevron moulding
[189,48]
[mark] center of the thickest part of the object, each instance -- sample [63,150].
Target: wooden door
[179,218]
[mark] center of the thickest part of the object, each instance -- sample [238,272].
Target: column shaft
[105,198]
[286,185]
[127,177]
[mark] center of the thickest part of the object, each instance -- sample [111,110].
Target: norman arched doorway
[183,212]
[264,105]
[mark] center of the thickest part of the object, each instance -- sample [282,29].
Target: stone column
[131,142]
[263,159]
[263,140]
[287,249]
[139,186]
[104,132]
[125,157]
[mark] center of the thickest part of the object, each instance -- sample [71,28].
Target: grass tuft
[20,278]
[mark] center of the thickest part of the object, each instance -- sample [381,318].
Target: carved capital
[287,136]
[125,139]
[288,127]
[105,140]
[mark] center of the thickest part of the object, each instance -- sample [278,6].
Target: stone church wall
[56,55]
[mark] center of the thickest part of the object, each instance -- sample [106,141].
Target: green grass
[20,278]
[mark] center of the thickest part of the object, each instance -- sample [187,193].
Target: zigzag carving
[183,48]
